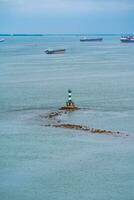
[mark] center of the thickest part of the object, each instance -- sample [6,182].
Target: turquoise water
[38,162]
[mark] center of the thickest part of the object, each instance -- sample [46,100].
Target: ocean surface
[46,163]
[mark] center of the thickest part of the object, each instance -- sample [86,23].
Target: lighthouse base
[70,106]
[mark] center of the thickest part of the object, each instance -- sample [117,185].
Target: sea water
[45,163]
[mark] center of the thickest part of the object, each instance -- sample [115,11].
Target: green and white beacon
[70,105]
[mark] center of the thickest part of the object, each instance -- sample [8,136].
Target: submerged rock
[70,106]
[53,114]
[85,128]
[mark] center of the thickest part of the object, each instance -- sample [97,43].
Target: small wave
[29,109]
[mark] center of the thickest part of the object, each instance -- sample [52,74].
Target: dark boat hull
[91,40]
[2,40]
[58,51]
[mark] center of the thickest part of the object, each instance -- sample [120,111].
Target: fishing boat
[2,40]
[55,51]
[91,39]
[127,39]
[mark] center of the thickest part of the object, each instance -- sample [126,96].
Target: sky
[67,16]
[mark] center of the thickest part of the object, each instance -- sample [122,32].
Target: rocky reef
[85,128]
[70,106]
[58,124]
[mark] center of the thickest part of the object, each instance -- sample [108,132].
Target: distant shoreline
[62,34]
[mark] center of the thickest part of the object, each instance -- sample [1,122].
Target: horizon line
[48,34]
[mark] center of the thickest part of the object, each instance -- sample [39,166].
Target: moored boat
[127,39]
[91,39]
[55,51]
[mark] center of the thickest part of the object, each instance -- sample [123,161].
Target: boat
[55,51]
[2,40]
[91,39]
[127,39]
